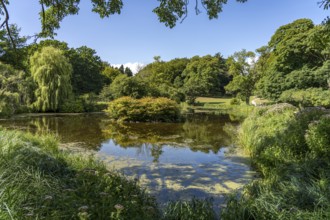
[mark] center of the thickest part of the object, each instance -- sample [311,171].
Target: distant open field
[210,100]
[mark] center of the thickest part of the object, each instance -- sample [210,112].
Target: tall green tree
[10,81]
[15,56]
[202,75]
[242,67]
[87,65]
[51,70]
[127,86]
[164,78]
[294,58]
[87,71]
[110,73]
[122,69]
[128,71]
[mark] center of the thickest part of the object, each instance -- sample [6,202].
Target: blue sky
[137,36]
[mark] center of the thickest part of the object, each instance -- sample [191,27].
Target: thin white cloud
[135,67]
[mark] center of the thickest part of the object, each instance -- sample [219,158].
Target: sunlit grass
[290,149]
[224,101]
[40,181]
[219,105]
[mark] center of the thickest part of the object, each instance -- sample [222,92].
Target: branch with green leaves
[169,12]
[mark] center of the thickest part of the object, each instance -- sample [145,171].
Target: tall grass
[190,210]
[39,181]
[291,150]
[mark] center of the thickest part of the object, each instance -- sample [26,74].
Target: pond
[171,160]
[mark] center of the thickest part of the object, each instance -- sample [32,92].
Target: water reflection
[82,129]
[203,132]
[172,160]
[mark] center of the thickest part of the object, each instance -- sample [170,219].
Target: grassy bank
[40,181]
[291,150]
[236,111]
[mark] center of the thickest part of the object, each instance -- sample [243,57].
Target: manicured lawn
[213,100]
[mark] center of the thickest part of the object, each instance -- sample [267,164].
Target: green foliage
[84,103]
[193,209]
[87,68]
[202,75]
[125,86]
[15,56]
[128,71]
[169,12]
[121,69]
[51,71]
[296,198]
[318,137]
[87,74]
[110,73]
[72,106]
[242,67]
[297,57]
[90,104]
[289,45]
[235,101]
[40,181]
[61,45]
[146,109]
[308,97]
[10,90]
[291,151]
[242,86]
[164,78]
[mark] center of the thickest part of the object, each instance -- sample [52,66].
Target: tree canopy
[296,57]
[51,71]
[202,75]
[241,66]
[169,12]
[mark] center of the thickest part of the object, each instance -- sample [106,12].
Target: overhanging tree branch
[6,23]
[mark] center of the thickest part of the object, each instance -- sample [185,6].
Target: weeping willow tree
[51,71]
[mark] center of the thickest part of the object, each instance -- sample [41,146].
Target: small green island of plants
[148,109]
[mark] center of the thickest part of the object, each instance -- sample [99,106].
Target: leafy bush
[100,106]
[308,97]
[72,106]
[290,148]
[126,86]
[9,104]
[235,101]
[146,109]
[89,102]
[318,137]
[85,103]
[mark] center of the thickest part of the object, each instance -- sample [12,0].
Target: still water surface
[172,160]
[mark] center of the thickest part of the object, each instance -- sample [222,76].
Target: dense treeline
[296,58]
[51,77]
